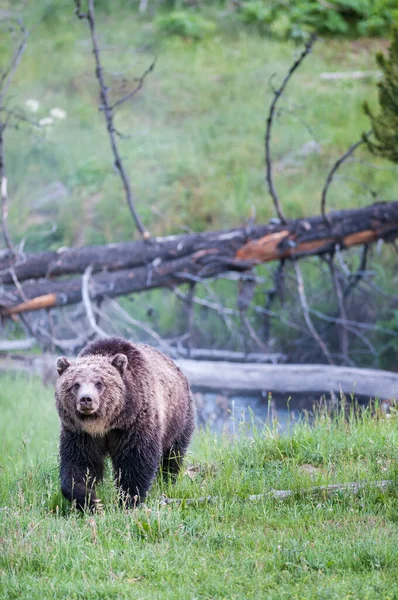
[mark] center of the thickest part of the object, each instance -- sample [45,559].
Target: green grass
[196,155]
[342,547]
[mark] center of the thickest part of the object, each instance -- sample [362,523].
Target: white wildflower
[58,113]
[46,121]
[32,104]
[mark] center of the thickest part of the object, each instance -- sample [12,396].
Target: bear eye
[98,385]
[76,386]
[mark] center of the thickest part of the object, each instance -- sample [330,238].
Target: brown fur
[129,401]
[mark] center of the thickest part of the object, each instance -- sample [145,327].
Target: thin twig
[277,290]
[8,74]
[190,316]
[252,332]
[138,87]
[223,312]
[306,313]
[4,195]
[18,284]
[144,326]
[277,94]
[66,345]
[356,277]
[331,175]
[107,109]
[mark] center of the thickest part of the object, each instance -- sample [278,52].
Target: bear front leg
[135,463]
[81,467]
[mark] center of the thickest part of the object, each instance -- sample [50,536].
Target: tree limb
[306,313]
[107,109]
[120,269]
[271,114]
[332,173]
[87,303]
[5,81]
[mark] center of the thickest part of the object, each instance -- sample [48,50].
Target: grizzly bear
[128,401]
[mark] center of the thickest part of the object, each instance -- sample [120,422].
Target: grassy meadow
[344,546]
[194,146]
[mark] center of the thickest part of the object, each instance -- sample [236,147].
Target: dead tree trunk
[166,262]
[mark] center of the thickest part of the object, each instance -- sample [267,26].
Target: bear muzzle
[87,402]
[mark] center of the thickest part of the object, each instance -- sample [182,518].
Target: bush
[283,18]
[185,24]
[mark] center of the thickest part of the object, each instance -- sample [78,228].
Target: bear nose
[86,400]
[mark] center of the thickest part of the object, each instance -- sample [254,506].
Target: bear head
[90,392]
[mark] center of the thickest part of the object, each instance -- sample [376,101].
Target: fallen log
[246,378]
[128,267]
[319,492]
[17,345]
[249,378]
[231,356]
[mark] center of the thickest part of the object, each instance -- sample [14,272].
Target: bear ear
[120,362]
[62,364]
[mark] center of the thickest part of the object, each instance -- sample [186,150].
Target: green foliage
[185,24]
[308,547]
[279,18]
[385,124]
[295,19]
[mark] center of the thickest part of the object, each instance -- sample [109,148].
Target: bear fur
[128,401]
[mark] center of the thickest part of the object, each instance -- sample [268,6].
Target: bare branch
[356,277]
[332,173]
[87,303]
[107,109]
[144,326]
[306,313]
[271,114]
[141,81]
[4,196]
[66,345]
[340,299]
[8,74]
[18,285]
[252,332]
[353,324]
[190,316]
[277,290]
[5,81]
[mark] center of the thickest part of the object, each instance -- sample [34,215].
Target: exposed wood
[288,379]
[249,378]
[128,267]
[230,356]
[319,491]
[37,303]
[333,75]
[17,345]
